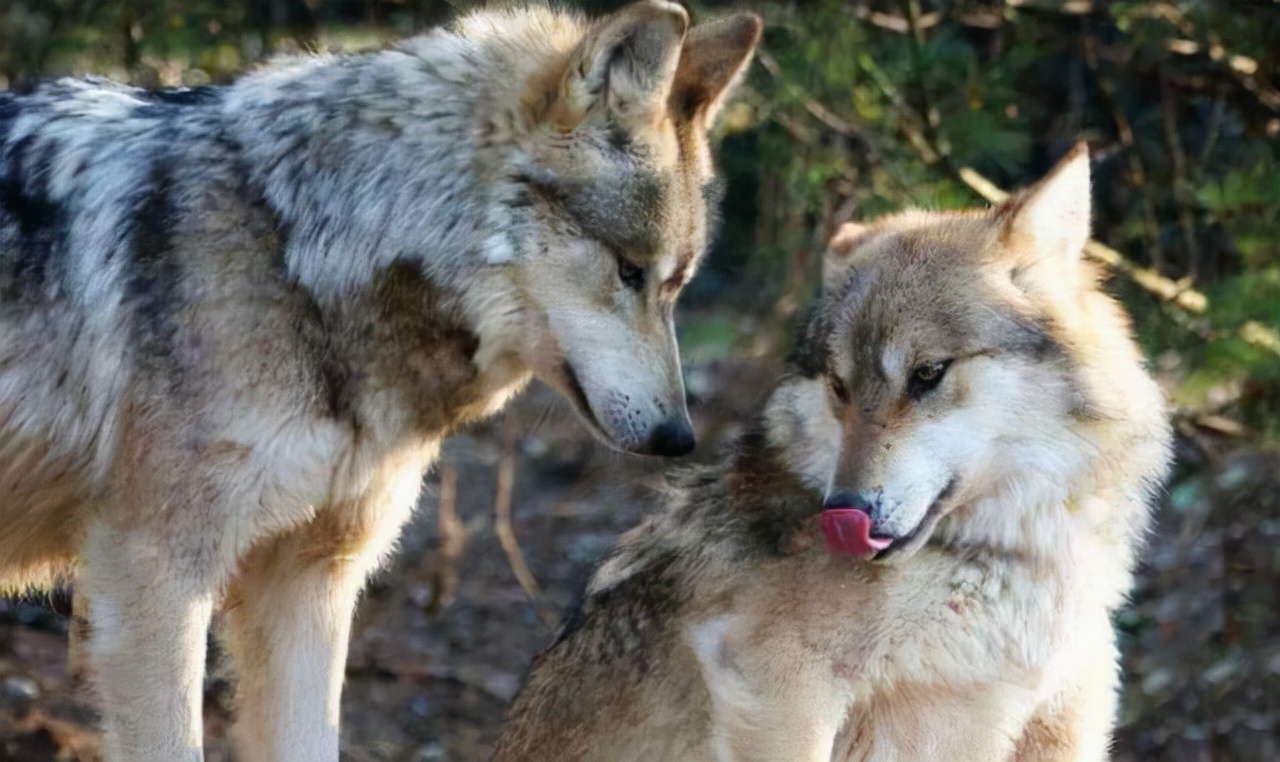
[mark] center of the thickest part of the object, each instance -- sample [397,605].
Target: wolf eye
[632,276]
[925,378]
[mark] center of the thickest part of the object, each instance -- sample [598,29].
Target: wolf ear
[1049,222]
[838,258]
[714,56]
[626,64]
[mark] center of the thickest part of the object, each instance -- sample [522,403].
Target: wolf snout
[847,499]
[851,524]
[671,438]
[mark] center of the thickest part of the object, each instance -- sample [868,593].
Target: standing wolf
[236,323]
[973,414]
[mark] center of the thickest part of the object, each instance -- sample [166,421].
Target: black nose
[846,499]
[672,438]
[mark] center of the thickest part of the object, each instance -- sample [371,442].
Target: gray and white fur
[236,322]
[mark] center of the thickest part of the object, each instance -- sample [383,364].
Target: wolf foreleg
[1074,726]
[765,705]
[291,607]
[291,620]
[146,648]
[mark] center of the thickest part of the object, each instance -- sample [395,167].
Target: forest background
[853,108]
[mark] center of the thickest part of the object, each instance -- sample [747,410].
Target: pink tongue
[848,530]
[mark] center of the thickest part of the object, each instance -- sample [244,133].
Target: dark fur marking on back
[164,104]
[522,200]
[41,223]
[254,196]
[205,95]
[154,281]
[9,110]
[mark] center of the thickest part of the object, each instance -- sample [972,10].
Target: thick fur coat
[968,389]
[236,323]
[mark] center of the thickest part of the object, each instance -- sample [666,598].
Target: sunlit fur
[236,323]
[723,629]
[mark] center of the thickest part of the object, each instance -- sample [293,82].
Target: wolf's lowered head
[965,366]
[549,176]
[617,200]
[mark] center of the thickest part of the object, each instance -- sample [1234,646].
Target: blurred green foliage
[858,107]
[872,106]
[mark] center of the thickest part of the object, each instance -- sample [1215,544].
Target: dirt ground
[1201,639]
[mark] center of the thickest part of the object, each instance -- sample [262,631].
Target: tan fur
[723,628]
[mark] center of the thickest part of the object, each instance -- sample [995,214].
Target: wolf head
[965,365]
[549,175]
[612,202]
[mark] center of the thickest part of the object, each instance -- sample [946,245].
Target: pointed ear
[838,259]
[714,56]
[1049,222]
[626,65]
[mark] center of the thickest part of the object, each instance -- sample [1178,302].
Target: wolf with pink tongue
[915,551]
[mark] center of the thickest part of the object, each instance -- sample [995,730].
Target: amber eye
[838,388]
[632,276]
[925,378]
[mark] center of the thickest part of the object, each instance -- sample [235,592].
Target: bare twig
[798,132]
[453,541]
[1220,425]
[1215,125]
[1180,295]
[1181,181]
[1066,7]
[818,111]
[1261,336]
[982,186]
[900,25]
[1137,169]
[1183,297]
[1148,278]
[1242,68]
[355,753]
[910,123]
[488,680]
[932,118]
[502,521]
